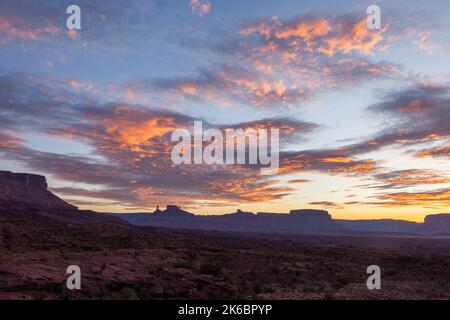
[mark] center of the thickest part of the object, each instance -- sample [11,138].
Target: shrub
[211,269]
[183,265]
[258,287]
[126,294]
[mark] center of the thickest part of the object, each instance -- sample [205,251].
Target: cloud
[327,204]
[16,28]
[326,161]
[319,35]
[409,178]
[137,24]
[415,115]
[422,38]
[269,63]
[200,7]
[229,85]
[313,52]
[441,151]
[8,142]
[297,181]
[288,84]
[439,198]
[289,129]
[272,63]
[133,143]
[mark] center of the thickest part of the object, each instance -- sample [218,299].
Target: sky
[363,114]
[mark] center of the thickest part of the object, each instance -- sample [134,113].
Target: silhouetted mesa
[297,221]
[172,211]
[301,221]
[18,190]
[436,224]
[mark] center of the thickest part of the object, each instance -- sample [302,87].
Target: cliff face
[22,179]
[438,219]
[21,190]
[436,224]
[318,214]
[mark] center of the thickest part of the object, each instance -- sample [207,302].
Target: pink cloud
[200,7]
[15,28]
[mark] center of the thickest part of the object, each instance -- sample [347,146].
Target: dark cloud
[329,204]
[328,161]
[415,115]
[409,178]
[439,198]
[296,181]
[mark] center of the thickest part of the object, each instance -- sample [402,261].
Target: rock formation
[436,224]
[296,222]
[19,190]
[172,211]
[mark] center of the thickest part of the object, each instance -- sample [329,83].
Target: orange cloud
[431,199]
[134,129]
[442,151]
[338,160]
[280,88]
[410,178]
[325,161]
[318,35]
[304,29]
[358,38]
[188,89]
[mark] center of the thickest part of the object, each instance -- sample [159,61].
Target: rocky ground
[122,262]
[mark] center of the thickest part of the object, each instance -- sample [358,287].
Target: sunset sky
[364,115]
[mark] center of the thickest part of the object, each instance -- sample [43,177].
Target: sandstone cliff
[19,190]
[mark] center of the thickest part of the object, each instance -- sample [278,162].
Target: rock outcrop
[319,214]
[436,224]
[20,190]
[172,211]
